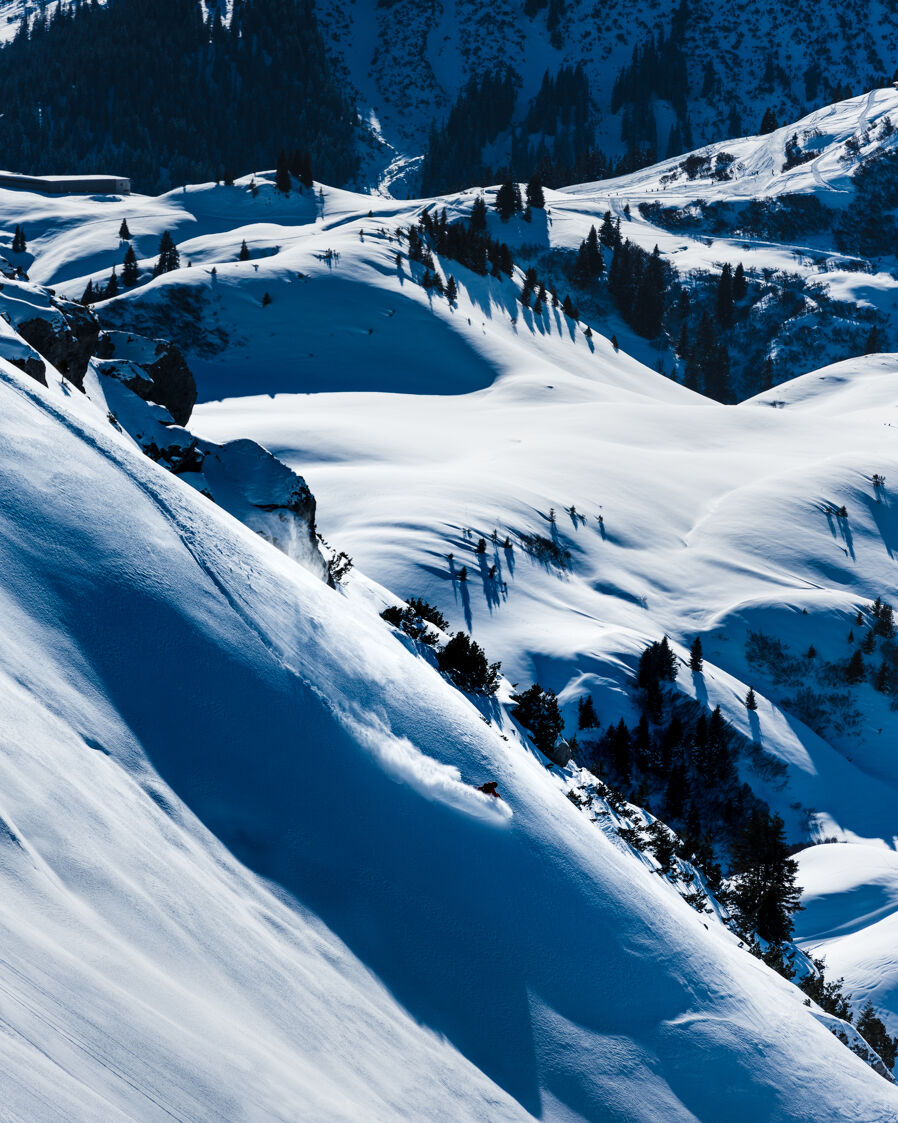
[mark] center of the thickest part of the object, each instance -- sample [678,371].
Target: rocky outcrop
[154,369]
[33,367]
[65,334]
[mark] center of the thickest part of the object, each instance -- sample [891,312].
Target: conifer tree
[587,718]
[768,122]
[855,670]
[266,299]
[478,215]
[537,710]
[725,297]
[763,893]
[169,258]
[535,197]
[123,232]
[606,233]
[244,251]
[130,271]
[305,171]
[282,179]
[751,702]
[873,343]
[696,662]
[19,245]
[505,200]
[874,1032]
[649,303]
[111,286]
[740,284]
[89,294]
[451,290]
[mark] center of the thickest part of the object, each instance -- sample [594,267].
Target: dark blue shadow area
[332,334]
[405,882]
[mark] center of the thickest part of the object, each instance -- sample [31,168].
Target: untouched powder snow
[249,862]
[179,698]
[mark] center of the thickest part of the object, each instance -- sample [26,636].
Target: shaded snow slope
[171,687]
[850,917]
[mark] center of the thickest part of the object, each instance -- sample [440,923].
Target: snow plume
[407,764]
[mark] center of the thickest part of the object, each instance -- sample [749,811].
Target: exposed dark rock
[33,367]
[155,370]
[68,344]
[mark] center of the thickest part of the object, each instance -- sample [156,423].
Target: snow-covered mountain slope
[632,507]
[179,698]
[850,915]
[759,165]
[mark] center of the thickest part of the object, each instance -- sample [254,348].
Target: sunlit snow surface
[246,869]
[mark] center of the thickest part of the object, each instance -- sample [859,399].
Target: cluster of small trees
[536,709]
[454,156]
[681,761]
[638,282]
[466,243]
[415,618]
[465,663]
[509,201]
[169,259]
[296,165]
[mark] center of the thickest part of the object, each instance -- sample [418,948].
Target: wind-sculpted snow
[173,696]
[251,873]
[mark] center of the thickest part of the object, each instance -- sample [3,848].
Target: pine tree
[535,197]
[874,1032]
[696,662]
[855,671]
[244,251]
[89,295]
[751,702]
[478,215]
[266,299]
[725,297]
[587,718]
[111,286]
[451,290]
[589,265]
[130,271]
[506,200]
[19,245]
[740,284]
[649,301]
[537,710]
[768,122]
[123,232]
[169,258]
[873,343]
[763,893]
[282,180]
[305,171]
[606,232]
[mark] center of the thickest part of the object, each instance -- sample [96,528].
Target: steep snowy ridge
[247,860]
[147,973]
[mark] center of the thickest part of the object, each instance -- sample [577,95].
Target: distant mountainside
[566,88]
[173,92]
[661,78]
